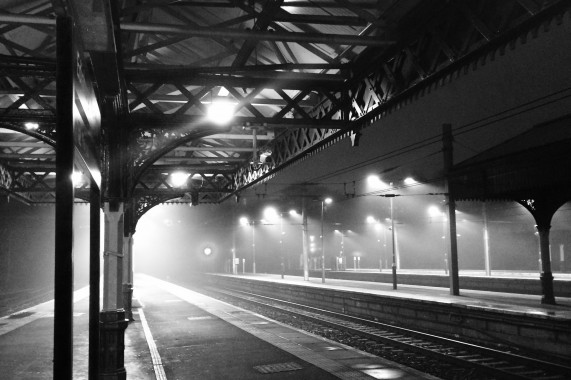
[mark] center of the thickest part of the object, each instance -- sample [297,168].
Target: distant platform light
[410,181]
[31,126]
[207,251]
[434,211]
[271,214]
[178,179]
[221,111]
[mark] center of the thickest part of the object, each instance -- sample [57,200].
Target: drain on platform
[279,367]
[23,314]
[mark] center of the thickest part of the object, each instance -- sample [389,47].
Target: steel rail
[494,362]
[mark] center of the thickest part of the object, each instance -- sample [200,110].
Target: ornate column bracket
[543,208]
[5,177]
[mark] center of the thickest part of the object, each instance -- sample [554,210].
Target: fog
[170,240]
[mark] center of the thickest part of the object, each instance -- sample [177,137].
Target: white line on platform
[156,358]
[315,358]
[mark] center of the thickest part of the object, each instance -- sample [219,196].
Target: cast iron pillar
[128,262]
[94,278]
[112,318]
[546,275]
[63,300]
[543,207]
[128,275]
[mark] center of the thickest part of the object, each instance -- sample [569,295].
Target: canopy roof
[534,164]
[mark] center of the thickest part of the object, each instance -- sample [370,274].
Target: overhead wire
[466,128]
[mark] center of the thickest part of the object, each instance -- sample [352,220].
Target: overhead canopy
[535,164]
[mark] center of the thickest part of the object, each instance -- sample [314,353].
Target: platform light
[370,220]
[293,213]
[328,201]
[221,111]
[76,178]
[178,179]
[31,126]
[374,183]
[434,211]
[410,181]
[271,214]
[207,251]
[244,221]
[374,180]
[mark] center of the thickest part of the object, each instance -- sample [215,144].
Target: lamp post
[244,221]
[323,203]
[394,263]
[377,225]
[282,264]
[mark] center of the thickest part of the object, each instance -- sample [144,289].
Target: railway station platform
[485,317]
[181,334]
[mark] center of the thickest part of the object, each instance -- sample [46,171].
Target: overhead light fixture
[221,111]
[76,178]
[31,126]
[178,179]
[410,181]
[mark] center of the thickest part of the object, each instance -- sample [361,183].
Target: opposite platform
[491,318]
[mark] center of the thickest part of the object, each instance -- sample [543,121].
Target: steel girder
[344,93]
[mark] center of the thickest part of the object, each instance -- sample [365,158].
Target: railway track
[443,357]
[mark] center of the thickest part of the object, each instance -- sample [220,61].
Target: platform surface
[181,334]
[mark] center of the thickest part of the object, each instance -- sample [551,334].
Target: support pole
[394,264]
[253,248]
[453,258]
[546,273]
[322,244]
[94,275]
[112,318]
[305,243]
[63,287]
[486,241]
[128,275]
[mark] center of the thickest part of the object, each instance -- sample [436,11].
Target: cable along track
[477,360]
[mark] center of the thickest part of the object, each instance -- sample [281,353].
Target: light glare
[76,178]
[271,214]
[221,112]
[434,211]
[31,126]
[410,181]
[178,179]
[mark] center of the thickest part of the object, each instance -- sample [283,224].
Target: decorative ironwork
[456,40]
[5,177]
